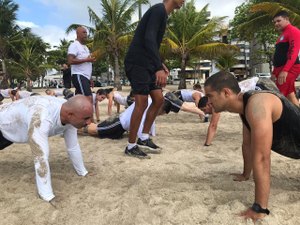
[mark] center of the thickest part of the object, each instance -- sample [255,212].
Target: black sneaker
[148,146]
[136,152]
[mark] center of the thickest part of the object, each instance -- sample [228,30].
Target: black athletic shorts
[110,128]
[142,80]
[172,103]
[1,97]
[68,93]
[178,94]
[81,84]
[4,142]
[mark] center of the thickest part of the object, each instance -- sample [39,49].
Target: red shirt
[287,48]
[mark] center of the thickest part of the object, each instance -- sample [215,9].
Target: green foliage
[112,31]
[191,34]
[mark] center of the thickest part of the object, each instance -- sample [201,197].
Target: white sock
[130,145]
[144,136]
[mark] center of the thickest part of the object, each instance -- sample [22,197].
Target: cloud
[49,33]
[24,24]
[63,13]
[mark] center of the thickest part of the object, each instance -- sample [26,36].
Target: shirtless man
[33,120]
[270,121]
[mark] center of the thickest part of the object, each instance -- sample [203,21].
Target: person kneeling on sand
[115,127]
[32,120]
[270,121]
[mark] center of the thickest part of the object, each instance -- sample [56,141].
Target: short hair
[223,79]
[101,92]
[281,13]
[203,102]
[197,86]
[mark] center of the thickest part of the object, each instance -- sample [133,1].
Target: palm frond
[213,50]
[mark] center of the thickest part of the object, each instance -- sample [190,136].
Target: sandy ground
[186,184]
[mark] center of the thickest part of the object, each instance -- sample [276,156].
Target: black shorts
[110,128]
[68,93]
[178,94]
[142,80]
[172,103]
[81,84]
[4,142]
[1,98]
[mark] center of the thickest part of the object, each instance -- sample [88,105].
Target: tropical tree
[226,60]
[30,57]
[111,32]
[191,33]
[253,22]
[8,30]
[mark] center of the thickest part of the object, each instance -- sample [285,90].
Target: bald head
[81,33]
[77,111]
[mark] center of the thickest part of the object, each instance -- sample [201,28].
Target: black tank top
[286,130]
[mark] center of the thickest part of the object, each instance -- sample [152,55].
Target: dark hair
[281,13]
[203,102]
[101,92]
[14,92]
[221,80]
[108,90]
[197,86]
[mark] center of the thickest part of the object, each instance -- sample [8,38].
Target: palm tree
[258,14]
[191,33]
[112,31]
[227,60]
[8,30]
[31,52]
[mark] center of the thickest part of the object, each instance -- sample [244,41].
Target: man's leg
[141,103]
[157,102]
[292,97]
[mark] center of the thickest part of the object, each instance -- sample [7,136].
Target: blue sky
[50,18]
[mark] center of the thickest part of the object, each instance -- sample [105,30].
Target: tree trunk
[28,84]
[182,83]
[117,81]
[4,82]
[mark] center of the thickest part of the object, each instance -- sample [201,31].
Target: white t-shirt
[5,93]
[248,85]
[122,100]
[187,95]
[125,118]
[32,120]
[59,92]
[80,52]
[24,94]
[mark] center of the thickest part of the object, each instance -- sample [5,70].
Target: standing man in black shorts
[146,73]
[80,59]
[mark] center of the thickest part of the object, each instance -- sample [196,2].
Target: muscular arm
[259,116]
[212,128]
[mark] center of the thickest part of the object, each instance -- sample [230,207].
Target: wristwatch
[258,209]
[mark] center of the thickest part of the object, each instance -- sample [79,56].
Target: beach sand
[186,184]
